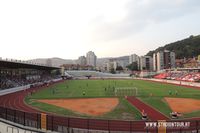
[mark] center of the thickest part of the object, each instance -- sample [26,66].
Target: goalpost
[126,91]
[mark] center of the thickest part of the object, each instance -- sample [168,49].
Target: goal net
[126,91]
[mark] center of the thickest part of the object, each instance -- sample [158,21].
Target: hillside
[189,47]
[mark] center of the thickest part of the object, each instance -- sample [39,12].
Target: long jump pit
[88,106]
[183,105]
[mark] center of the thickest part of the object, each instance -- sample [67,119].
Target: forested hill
[189,47]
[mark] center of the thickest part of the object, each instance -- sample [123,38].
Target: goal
[126,91]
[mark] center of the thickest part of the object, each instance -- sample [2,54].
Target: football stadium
[99,66]
[39,98]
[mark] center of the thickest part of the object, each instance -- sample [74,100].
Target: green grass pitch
[106,88]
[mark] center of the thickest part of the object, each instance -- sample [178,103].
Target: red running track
[16,100]
[151,112]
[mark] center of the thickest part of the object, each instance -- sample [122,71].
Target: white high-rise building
[91,59]
[133,58]
[82,60]
[146,63]
[111,65]
[163,60]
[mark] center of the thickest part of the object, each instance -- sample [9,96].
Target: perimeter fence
[69,124]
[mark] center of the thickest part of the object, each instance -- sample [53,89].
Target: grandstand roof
[20,64]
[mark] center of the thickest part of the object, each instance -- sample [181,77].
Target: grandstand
[189,75]
[96,74]
[18,73]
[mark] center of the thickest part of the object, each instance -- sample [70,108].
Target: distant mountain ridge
[188,48]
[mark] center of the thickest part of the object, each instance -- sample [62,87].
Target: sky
[68,29]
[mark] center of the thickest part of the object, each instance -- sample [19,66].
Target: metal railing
[67,124]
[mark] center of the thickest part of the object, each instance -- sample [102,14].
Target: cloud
[139,15]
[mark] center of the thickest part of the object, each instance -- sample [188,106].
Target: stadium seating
[83,73]
[179,76]
[7,81]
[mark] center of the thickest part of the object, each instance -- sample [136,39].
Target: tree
[133,66]
[187,48]
[119,68]
[88,76]
[112,70]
